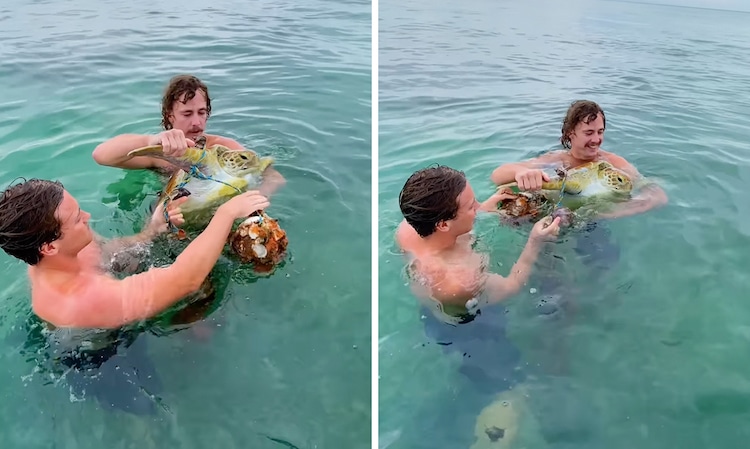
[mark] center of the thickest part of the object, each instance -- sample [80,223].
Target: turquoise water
[282,361]
[655,355]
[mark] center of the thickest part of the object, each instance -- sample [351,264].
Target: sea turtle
[591,179]
[212,176]
[597,180]
[209,176]
[507,422]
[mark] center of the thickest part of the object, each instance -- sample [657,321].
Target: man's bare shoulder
[552,156]
[619,162]
[410,242]
[546,160]
[66,304]
[213,139]
[404,236]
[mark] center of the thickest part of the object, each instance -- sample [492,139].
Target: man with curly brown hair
[582,135]
[186,107]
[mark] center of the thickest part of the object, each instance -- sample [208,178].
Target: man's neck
[438,242]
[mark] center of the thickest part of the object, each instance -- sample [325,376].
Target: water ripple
[471,87]
[287,79]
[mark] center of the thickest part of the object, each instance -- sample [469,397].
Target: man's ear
[49,249]
[442,226]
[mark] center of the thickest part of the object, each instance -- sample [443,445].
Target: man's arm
[104,302]
[506,173]
[272,181]
[114,152]
[650,196]
[110,303]
[158,224]
[458,284]
[499,288]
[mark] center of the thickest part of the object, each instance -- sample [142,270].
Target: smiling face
[583,129]
[587,138]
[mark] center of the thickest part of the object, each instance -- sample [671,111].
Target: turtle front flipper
[572,187]
[191,157]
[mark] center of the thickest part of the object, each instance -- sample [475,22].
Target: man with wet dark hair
[42,224]
[430,196]
[457,292]
[439,209]
[582,134]
[185,109]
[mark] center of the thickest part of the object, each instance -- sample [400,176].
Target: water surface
[654,354]
[282,361]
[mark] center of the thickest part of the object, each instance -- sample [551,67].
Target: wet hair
[430,196]
[187,85]
[28,218]
[579,111]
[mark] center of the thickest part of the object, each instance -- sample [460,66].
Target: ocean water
[654,357]
[279,361]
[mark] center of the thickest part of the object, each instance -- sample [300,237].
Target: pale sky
[733,5]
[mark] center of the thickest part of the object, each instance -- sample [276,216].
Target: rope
[562,192]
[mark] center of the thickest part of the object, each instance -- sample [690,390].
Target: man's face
[74,227]
[586,139]
[190,117]
[467,211]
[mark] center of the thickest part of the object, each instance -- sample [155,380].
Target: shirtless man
[439,209]
[186,107]
[42,224]
[582,136]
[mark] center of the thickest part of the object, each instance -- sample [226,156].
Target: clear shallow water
[282,361]
[654,356]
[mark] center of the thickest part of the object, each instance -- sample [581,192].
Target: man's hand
[531,179]
[490,204]
[245,204]
[158,224]
[172,141]
[546,229]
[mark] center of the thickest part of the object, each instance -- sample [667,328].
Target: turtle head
[616,179]
[241,163]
